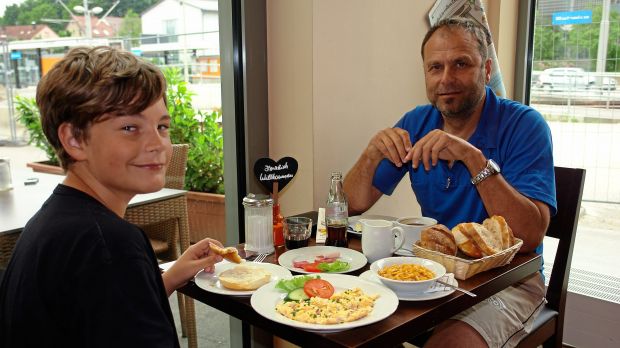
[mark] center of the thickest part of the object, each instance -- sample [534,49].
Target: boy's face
[128,155]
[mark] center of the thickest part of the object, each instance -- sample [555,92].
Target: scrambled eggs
[342,307]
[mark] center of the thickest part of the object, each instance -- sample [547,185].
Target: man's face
[454,72]
[128,155]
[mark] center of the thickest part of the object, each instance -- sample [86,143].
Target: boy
[80,275]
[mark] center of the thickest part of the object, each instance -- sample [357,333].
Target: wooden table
[409,320]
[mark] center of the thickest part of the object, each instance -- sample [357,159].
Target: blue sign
[574,17]
[137,52]
[16,55]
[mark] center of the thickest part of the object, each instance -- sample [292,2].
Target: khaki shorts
[506,317]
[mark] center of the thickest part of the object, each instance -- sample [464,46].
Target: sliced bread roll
[488,242]
[497,224]
[438,238]
[465,244]
[244,277]
[228,253]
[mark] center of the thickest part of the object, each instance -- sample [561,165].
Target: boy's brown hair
[90,82]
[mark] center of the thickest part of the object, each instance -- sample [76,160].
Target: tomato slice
[318,287]
[311,267]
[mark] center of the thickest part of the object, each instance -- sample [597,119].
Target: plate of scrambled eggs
[373,302]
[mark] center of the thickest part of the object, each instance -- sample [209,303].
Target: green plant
[28,115]
[203,133]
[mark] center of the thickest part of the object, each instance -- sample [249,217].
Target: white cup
[412,227]
[380,239]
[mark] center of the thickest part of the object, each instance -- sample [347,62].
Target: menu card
[321,230]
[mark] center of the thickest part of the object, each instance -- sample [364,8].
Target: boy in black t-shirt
[80,275]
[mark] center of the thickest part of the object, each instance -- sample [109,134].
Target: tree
[131,27]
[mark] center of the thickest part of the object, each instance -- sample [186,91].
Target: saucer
[413,296]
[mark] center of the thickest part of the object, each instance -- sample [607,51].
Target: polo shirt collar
[485,135]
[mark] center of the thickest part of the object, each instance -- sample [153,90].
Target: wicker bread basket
[464,268]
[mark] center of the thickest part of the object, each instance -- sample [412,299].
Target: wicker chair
[7,244]
[166,225]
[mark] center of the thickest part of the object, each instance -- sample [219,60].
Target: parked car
[572,79]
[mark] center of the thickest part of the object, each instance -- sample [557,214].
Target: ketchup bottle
[278,236]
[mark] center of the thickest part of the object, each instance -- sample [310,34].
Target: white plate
[265,299]
[355,259]
[354,219]
[210,281]
[414,296]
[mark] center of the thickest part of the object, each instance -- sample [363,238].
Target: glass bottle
[278,228]
[336,213]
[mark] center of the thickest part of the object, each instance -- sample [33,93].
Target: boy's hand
[197,257]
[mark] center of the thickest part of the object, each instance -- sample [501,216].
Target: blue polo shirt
[514,135]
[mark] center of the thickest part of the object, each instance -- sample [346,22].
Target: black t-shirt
[81,276]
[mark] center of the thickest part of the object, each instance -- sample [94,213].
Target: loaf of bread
[244,277]
[498,224]
[438,238]
[464,243]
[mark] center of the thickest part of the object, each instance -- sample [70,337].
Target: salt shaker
[5,174]
[258,212]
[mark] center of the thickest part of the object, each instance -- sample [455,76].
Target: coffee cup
[380,239]
[412,228]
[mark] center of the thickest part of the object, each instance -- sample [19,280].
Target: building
[27,32]
[107,27]
[183,32]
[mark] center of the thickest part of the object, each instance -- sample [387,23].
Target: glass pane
[574,78]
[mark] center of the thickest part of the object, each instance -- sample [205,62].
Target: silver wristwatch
[491,169]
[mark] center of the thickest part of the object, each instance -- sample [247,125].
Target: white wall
[338,72]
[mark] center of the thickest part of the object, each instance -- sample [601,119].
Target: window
[575,70]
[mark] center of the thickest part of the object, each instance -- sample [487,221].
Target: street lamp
[84,9]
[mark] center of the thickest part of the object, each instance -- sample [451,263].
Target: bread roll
[497,224]
[229,253]
[438,238]
[463,242]
[244,277]
[488,242]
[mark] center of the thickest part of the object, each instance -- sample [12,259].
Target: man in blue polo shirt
[469,155]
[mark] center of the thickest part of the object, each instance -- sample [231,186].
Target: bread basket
[464,268]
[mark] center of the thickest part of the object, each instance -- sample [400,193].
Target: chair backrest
[563,226]
[175,174]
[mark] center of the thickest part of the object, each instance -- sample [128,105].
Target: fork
[260,258]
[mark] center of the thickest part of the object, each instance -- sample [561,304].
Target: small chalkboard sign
[268,172]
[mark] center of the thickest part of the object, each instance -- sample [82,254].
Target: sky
[5,3]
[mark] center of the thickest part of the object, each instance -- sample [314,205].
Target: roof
[23,32]
[107,27]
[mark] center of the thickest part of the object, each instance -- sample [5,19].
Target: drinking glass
[297,232]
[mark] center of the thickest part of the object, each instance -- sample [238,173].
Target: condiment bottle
[336,213]
[258,213]
[278,233]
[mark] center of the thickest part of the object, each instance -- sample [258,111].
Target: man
[469,155]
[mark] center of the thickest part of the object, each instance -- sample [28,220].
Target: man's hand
[438,145]
[390,143]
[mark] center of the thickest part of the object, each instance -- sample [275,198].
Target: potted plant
[204,177]
[28,116]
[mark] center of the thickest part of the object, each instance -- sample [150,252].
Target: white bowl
[408,285]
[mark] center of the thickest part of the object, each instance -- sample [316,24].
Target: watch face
[494,167]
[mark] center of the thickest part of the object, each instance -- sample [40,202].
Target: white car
[572,79]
